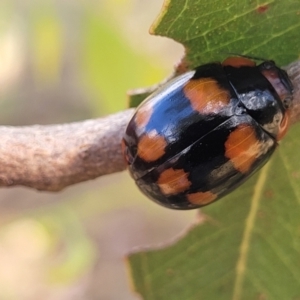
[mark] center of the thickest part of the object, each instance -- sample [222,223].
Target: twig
[53,157]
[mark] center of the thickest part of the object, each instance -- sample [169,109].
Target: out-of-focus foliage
[111,67]
[74,50]
[63,61]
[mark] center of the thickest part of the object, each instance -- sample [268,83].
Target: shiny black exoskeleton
[205,132]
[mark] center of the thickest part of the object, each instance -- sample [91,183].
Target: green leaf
[248,244]
[211,29]
[135,97]
[247,247]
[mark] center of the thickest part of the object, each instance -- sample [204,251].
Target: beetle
[205,132]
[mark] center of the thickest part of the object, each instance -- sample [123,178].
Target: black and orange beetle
[203,133]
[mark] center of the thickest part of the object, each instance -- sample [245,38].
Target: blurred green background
[64,61]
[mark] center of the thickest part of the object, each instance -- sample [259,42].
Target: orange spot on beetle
[143,115]
[206,96]
[238,61]
[242,147]
[201,198]
[151,146]
[172,181]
